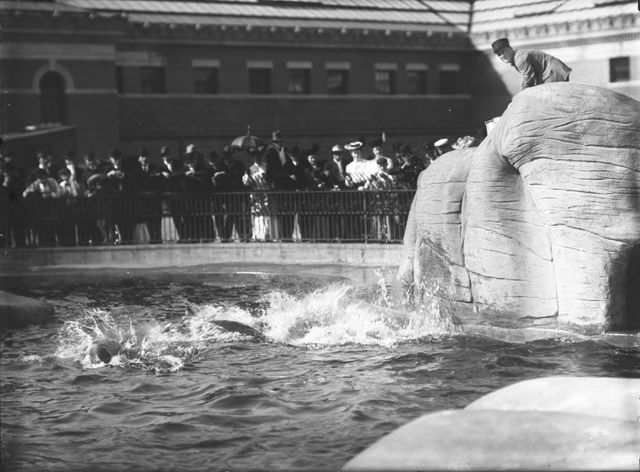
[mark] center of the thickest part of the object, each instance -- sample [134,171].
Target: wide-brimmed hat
[352,146]
[499,44]
[276,136]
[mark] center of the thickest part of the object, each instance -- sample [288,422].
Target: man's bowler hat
[499,44]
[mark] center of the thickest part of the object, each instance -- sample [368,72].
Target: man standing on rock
[536,67]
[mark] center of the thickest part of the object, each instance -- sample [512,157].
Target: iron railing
[318,216]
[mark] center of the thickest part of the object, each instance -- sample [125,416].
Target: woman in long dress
[261,221]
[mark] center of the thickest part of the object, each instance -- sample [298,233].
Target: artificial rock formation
[550,423]
[540,224]
[17,311]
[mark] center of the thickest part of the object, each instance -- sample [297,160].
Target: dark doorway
[53,99]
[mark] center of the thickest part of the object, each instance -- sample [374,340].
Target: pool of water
[335,371]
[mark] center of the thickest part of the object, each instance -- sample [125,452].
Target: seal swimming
[106,349]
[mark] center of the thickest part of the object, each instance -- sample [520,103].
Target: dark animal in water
[240,328]
[233,326]
[104,351]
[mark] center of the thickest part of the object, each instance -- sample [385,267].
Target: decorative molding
[299,65]
[385,66]
[337,65]
[53,66]
[589,31]
[259,64]
[27,91]
[214,63]
[58,51]
[139,58]
[324,97]
[416,66]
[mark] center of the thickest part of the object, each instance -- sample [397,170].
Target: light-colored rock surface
[551,423]
[616,398]
[539,225]
[504,440]
[17,311]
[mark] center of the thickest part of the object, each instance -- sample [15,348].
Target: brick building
[146,73]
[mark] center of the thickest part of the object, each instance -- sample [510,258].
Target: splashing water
[333,315]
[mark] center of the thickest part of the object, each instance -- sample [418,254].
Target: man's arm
[522,65]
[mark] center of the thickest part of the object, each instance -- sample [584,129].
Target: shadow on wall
[489,94]
[633,290]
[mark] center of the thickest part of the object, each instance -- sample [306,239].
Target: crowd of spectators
[264,175]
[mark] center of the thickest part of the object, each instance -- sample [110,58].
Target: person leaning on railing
[41,232]
[13,185]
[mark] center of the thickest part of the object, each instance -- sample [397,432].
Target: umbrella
[247,141]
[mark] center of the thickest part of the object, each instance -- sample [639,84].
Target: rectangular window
[448,75]
[385,82]
[260,80]
[417,82]
[205,80]
[337,81]
[299,81]
[619,69]
[120,79]
[152,79]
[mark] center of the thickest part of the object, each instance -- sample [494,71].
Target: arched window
[53,100]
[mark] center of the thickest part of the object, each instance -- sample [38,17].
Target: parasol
[247,141]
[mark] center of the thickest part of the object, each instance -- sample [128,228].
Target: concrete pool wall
[182,255]
[358,262]
[361,263]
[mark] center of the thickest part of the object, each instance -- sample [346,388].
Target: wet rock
[505,440]
[17,311]
[552,423]
[616,398]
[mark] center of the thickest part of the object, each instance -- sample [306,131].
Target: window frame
[620,72]
[162,82]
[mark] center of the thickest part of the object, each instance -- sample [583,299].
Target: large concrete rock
[17,311]
[539,225]
[617,398]
[504,440]
[551,423]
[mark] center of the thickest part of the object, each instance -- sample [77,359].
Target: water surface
[334,373]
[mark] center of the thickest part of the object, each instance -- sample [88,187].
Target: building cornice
[23,25]
[565,33]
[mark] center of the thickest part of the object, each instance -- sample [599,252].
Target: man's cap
[276,136]
[165,150]
[352,146]
[499,44]
[441,142]
[337,149]
[144,152]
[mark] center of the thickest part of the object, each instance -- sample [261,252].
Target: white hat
[353,145]
[441,142]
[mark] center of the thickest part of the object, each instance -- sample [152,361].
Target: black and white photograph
[319,235]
